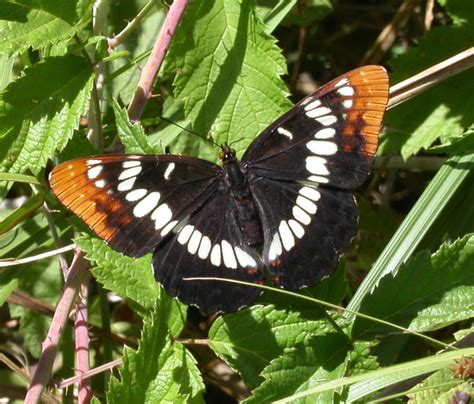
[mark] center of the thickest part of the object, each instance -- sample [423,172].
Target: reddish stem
[81,334]
[50,345]
[155,60]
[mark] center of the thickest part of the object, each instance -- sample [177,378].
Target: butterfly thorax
[236,184]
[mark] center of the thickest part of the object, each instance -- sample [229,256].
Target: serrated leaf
[130,278]
[427,293]
[29,23]
[158,370]
[40,111]
[227,71]
[456,145]
[272,331]
[304,367]
[434,386]
[445,110]
[132,135]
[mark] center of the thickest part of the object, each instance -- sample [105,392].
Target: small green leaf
[432,389]
[40,110]
[227,71]
[132,135]
[130,278]
[26,210]
[444,111]
[271,332]
[427,293]
[456,145]
[34,24]
[159,371]
[304,367]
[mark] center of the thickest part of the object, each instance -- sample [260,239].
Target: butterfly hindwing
[306,229]
[209,244]
[329,137]
[133,201]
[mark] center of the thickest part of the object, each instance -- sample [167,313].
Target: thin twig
[389,33]
[119,38]
[50,345]
[99,369]
[428,14]
[22,299]
[157,56]
[19,261]
[427,78]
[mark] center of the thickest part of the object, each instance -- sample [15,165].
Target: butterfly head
[227,153]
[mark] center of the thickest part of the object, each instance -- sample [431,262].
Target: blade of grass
[19,178]
[416,225]
[370,382]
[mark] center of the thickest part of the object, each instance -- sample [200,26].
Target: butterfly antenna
[189,131]
[235,141]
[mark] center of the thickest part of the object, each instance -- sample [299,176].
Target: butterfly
[287,205]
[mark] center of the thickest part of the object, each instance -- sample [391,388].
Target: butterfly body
[287,205]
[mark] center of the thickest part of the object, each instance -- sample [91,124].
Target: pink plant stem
[50,345]
[81,334]
[155,60]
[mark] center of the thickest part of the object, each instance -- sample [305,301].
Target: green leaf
[433,388]
[440,193]
[273,16]
[457,145]
[159,371]
[26,210]
[364,385]
[29,179]
[40,111]
[132,135]
[427,293]
[227,71]
[271,332]
[304,367]
[32,24]
[130,278]
[444,111]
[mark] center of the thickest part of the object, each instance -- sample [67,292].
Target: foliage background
[233,67]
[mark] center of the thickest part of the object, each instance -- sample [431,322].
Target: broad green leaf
[40,111]
[444,111]
[364,385]
[6,289]
[170,133]
[30,23]
[361,359]
[159,371]
[271,332]
[437,388]
[132,135]
[130,278]
[457,145]
[304,367]
[427,293]
[227,71]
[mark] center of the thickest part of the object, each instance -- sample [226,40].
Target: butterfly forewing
[330,137]
[132,202]
[209,244]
